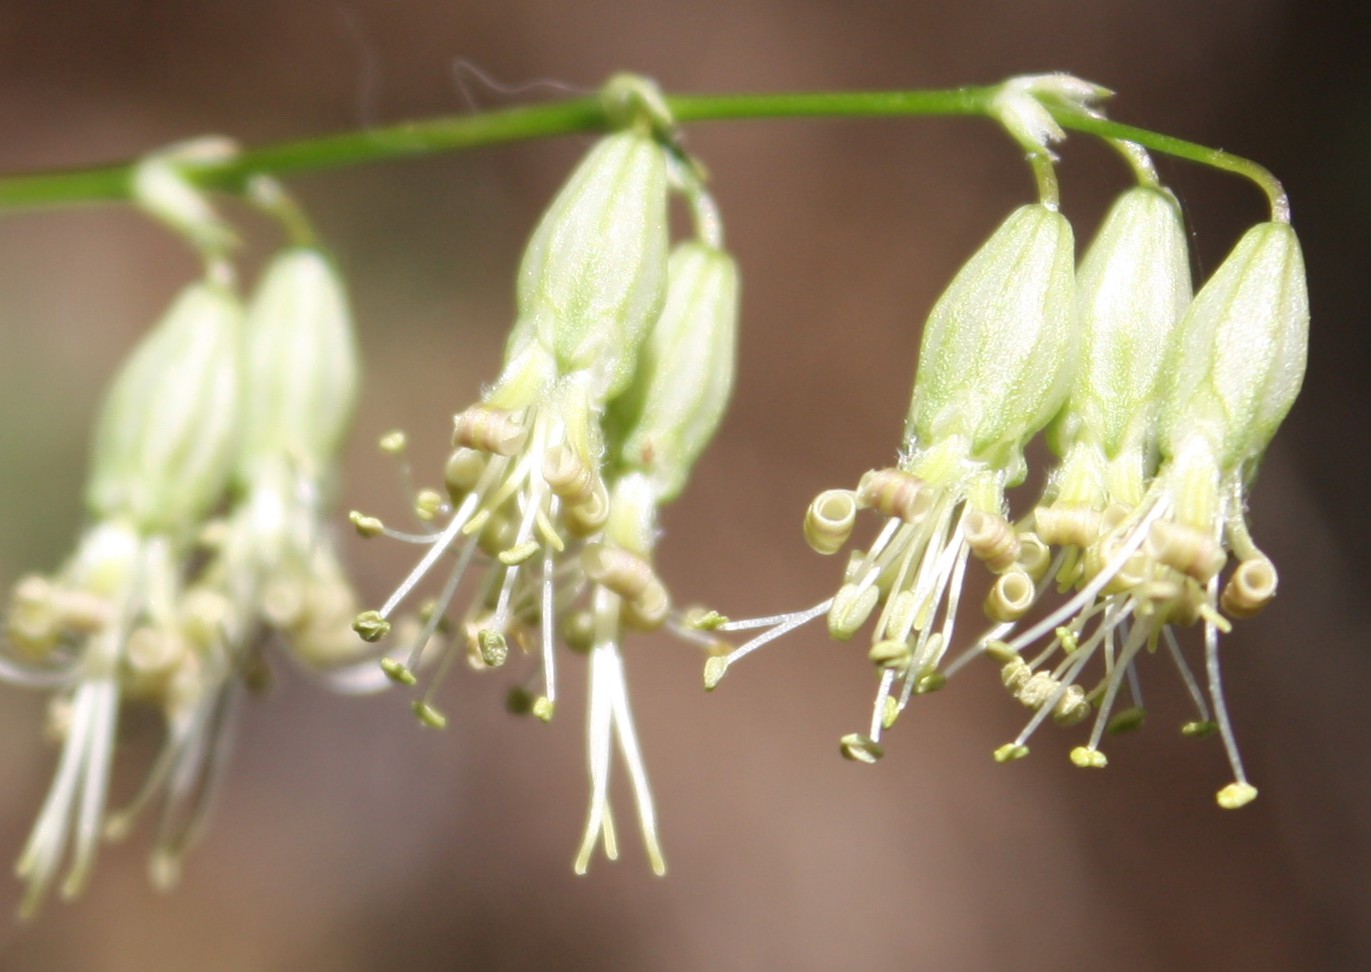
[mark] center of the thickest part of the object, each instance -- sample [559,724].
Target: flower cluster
[1160,407]
[212,465]
[615,376]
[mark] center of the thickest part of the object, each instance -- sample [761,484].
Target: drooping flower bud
[1000,345]
[685,370]
[167,434]
[1241,357]
[594,274]
[300,362]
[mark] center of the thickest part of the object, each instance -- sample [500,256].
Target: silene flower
[997,353]
[1160,440]
[552,488]
[107,626]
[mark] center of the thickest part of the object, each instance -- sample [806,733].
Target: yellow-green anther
[366,526]
[890,711]
[1072,707]
[929,682]
[1000,345]
[167,434]
[860,749]
[1126,720]
[716,667]
[852,605]
[684,373]
[428,504]
[370,626]
[701,619]
[891,654]
[493,648]
[594,274]
[1199,729]
[1240,358]
[398,672]
[392,443]
[1009,752]
[543,708]
[1236,795]
[429,716]
[1132,289]
[300,361]
[1000,652]
[1087,758]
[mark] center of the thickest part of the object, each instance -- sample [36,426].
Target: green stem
[587,114]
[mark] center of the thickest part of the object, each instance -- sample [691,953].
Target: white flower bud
[685,370]
[1241,356]
[594,274]
[300,360]
[1000,345]
[166,437]
[1132,289]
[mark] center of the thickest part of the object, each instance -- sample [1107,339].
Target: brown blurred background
[347,838]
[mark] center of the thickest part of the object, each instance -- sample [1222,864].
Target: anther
[992,540]
[1072,707]
[716,667]
[626,574]
[1009,752]
[370,626]
[852,605]
[829,520]
[493,648]
[463,471]
[891,654]
[429,716]
[428,504]
[488,430]
[1250,589]
[392,443]
[928,682]
[366,526]
[1087,758]
[860,749]
[398,672]
[1199,729]
[588,517]
[893,492]
[1126,721]
[1236,795]
[543,708]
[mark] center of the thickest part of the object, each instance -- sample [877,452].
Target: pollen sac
[594,274]
[684,373]
[167,434]
[1241,355]
[301,363]
[1000,345]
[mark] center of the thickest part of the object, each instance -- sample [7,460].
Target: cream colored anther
[893,492]
[1010,597]
[626,574]
[1185,549]
[992,540]
[829,520]
[1250,589]
[852,605]
[488,430]
[463,471]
